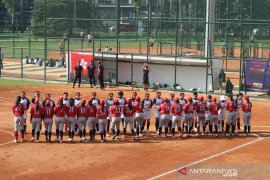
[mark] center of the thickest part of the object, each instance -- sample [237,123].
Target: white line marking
[205,159]
[9,141]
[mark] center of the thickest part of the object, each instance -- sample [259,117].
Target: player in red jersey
[82,119]
[91,111]
[102,114]
[60,113]
[48,119]
[231,117]
[246,108]
[189,115]
[35,119]
[201,109]
[139,106]
[116,111]
[18,111]
[164,110]
[128,111]
[214,109]
[71,119]
[176,111]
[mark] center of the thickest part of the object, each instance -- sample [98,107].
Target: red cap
[83,101]
[60,99]
[128,100]
[176,99]
[189,98]
[214,99]
[47,102]
[165,100]
[102,102]
[246,97]
[36,101]
[115,101]
[138,98]
[201,98]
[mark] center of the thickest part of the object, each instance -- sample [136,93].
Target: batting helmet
[189,98]
[128,100]
[201,98]
[115,101]
[36,101]
[165,100]
[138,98]
[47,102]
[176,99]
[246,97]
[102,102]
[60,99]
[214,99]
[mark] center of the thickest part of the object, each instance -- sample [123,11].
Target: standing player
[171,102]
[66,103]
[91,74]
[133,98]
[37,97]
[139,106]
[183,102]
[189,115]
[18,111]
[214,109]
[176,111]
[95,102]
[91,111]
[246,108]
[82,119]
[60,113]
[48,119]
[221,112]
[122,102]
[116,111]
[102,114]
[239,102]
[71,118]
[195,101]
[129,111]
[78,74]
[35,119]
[164,109]
[231,118]
[156,102]
[109,103]
[26,104]
[147,102]
[208,103]
[201,111]
[78,102]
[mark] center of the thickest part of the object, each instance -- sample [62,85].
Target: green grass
[12,82]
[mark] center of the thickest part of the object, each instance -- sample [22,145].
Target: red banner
[84,59]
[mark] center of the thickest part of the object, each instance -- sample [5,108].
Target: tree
[59,16]
[138,4]
[11,6]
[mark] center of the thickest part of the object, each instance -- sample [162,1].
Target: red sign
[84,59]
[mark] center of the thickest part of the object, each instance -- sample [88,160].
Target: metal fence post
[45,39]
[21,63]
[13,45]
[29,47]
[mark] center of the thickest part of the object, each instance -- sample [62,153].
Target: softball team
[108,114]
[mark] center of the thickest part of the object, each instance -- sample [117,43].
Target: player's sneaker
[245,134]
[238,130]
[227,134]
[108,135]
[137,136]
[203,134]
[22,140]
[181,135]
[69,139]
[61,141]
[216,135]
[37,141]
[102,141]
[140,135]
[15,141]
[123,136]
[114,136]
[81,140]
[32,139]
[197,134]
[210,134]
[232,134]
[173,137]
[57,139]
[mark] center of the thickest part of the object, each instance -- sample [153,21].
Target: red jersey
[139,107]
[164,108]
[116,111]
[102,114]
[201,108]
[214,108]
[128,112]
[190,107]
[246,107]
[36,113]
[48,112]
[82,111]
[231,105]
[91,111]
[18,111]
[176,109]
[60,112]
[72,111]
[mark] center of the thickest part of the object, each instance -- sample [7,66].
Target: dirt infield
[144,158]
